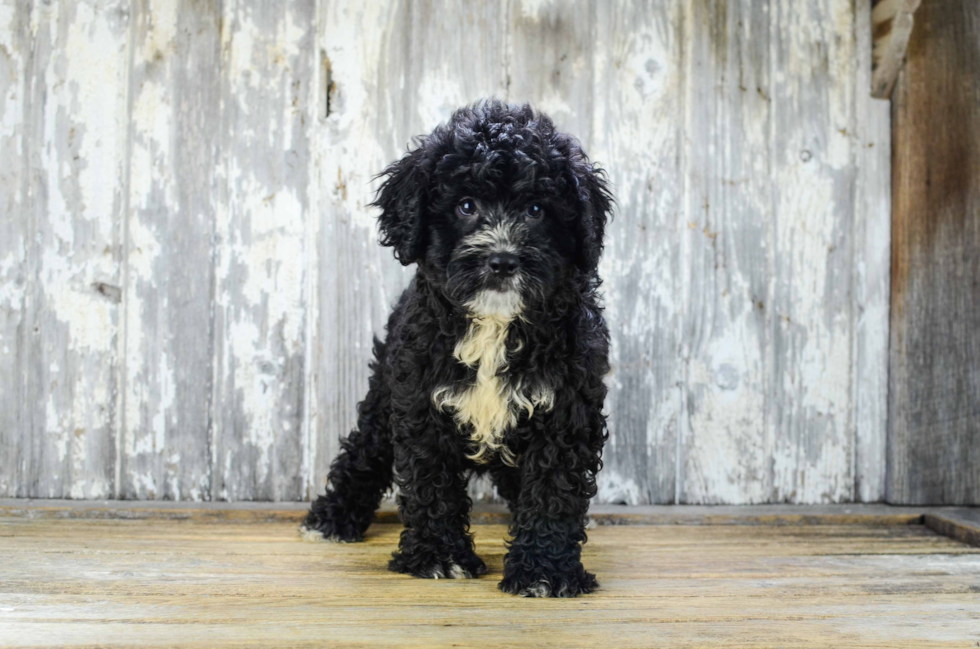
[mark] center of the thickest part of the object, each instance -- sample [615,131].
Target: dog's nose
[503,264]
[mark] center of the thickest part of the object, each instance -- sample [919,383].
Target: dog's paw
[317,530]
[571,583]
[462,566]
[316,536]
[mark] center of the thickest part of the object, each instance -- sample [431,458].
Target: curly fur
[481,373]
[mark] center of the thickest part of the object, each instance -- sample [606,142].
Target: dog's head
[498,206]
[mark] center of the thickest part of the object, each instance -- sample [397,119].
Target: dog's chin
[503,303]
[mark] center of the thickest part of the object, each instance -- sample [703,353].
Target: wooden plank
[485,513]
[636,82]
[962,525]
[934,413]
[140,544]
[550,61]
[180,583]
[811,414]
[872,272]
[724,451]
[74,136]
[16,38]
[423,61]
[263,183]
[891,22]
[169,233]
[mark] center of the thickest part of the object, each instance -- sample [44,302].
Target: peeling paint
[261,257]
[166,338]
[197,254]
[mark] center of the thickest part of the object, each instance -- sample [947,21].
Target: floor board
[193,583]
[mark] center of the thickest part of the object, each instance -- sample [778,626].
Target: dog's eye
[466,207]
[535,211]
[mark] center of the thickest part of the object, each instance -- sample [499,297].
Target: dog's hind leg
[507,480]
[361,473]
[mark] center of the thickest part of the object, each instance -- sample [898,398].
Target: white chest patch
[491,404]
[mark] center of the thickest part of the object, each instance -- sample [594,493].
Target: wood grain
[490,513]
[811,307]
[15,236]
[892,22]
[191,282]
[637,138]
[962,525]
[934,413]
[182,583]
[168,288]
[263,180]
[871,273]
[73,141]
[725,452]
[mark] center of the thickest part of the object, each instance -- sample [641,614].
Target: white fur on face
[502,237]
[500,305]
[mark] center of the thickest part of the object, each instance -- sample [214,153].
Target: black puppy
[494,356]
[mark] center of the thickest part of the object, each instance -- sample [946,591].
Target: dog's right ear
[402,199]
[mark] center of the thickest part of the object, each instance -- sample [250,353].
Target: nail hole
[108,291]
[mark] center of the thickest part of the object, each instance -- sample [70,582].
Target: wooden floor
[198,583]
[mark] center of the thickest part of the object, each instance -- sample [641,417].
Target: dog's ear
[595,207]
[402,199]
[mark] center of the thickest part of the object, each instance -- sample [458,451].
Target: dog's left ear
[402,199]
[596,203]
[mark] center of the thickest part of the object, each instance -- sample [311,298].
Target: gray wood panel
[871,267]
[725,448]
[169,231]
[635,132]
[70,207]
[934,396]
[15,235]
[195,247]
[811,411]
[263,202]
[550,61]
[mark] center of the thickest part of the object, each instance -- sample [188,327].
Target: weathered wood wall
[934,402]
[189,274]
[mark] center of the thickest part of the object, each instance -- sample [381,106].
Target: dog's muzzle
[503,264]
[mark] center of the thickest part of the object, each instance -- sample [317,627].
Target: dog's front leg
[433,503]
[548,530]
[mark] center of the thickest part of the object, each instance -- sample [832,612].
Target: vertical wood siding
[15,236]
[263,180]
[191,280]
[640,80]
[167,338]
[934,402]
[726,448]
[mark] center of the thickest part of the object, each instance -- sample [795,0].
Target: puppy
[494,356]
